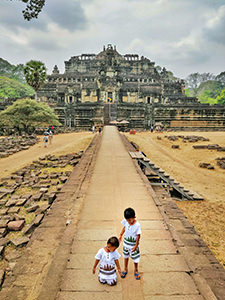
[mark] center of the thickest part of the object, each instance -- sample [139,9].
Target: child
[132,234]
[45,140]
[108,257]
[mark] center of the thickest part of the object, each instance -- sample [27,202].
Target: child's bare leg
[135,267]
[126,264]
[136,274]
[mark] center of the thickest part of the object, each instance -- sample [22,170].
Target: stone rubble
[25,198]
[11,145]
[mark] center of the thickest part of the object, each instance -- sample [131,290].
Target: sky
[185,36]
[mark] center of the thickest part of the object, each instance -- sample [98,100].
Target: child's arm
[118,266]
[121,234]
[95,265]
[137,243]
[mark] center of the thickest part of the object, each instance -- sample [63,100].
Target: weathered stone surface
[13,210]
[2,276]
[38,219]
[3,223]
[20,242]
[51,198]
[43,190]
[3,211]
[3,202]
[42,209]
[3,232]
[12,255]
[175,146]
[21,202]
[1,250]
[6,191]
[32,208]
[4,241]
[36,197]
[63,179]
[11,202]
[16,225]
[29,228]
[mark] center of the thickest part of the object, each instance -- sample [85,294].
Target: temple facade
[99,88]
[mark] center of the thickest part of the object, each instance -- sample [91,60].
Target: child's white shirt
[107,259]
[131,232]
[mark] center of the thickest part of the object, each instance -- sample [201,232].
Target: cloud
[184,36]
[215,27]
[67,14]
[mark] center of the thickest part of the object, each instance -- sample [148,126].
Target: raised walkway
[115,185]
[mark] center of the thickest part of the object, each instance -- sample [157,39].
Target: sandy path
[183,165]
[61,144]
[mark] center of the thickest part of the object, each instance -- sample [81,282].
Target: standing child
[108,257]
[132,233]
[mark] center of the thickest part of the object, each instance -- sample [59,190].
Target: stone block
[21,202]
[20,242]
[38,219]
[11,202]
[36,197]
[63,179]
[1,251]
[43,190]
[42,209]
[29,228]
[3,223]
[3,202]
[3,211]
[53,175]
[4,241]
[51,198]
[32,208]
[3,232]
[15,225]
[2,277]
[13,210]
[6,191]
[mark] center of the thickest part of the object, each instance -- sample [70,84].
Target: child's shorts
[134,255]
[108,281]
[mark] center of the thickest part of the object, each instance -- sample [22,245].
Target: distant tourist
[152,128]
[132,233]
[108,258]
[93,129]
[50,134]
[45,141]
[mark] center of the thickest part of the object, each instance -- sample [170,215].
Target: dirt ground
[61,144]
[183,164]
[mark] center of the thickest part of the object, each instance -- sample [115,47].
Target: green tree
[27,114]
[13,89]
[35,74]
[33,8]
[221,98]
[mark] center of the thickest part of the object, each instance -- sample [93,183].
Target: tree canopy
[221,98]
[35,73]
[33,8]
[13,89]
[27,114]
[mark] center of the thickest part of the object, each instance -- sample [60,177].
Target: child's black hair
[113,241]
[129,213]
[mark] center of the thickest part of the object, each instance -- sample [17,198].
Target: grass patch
[29,217]
[23,190]
[50,170]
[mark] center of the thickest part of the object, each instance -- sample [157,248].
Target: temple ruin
[99,88]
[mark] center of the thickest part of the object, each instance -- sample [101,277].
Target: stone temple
[99,88]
